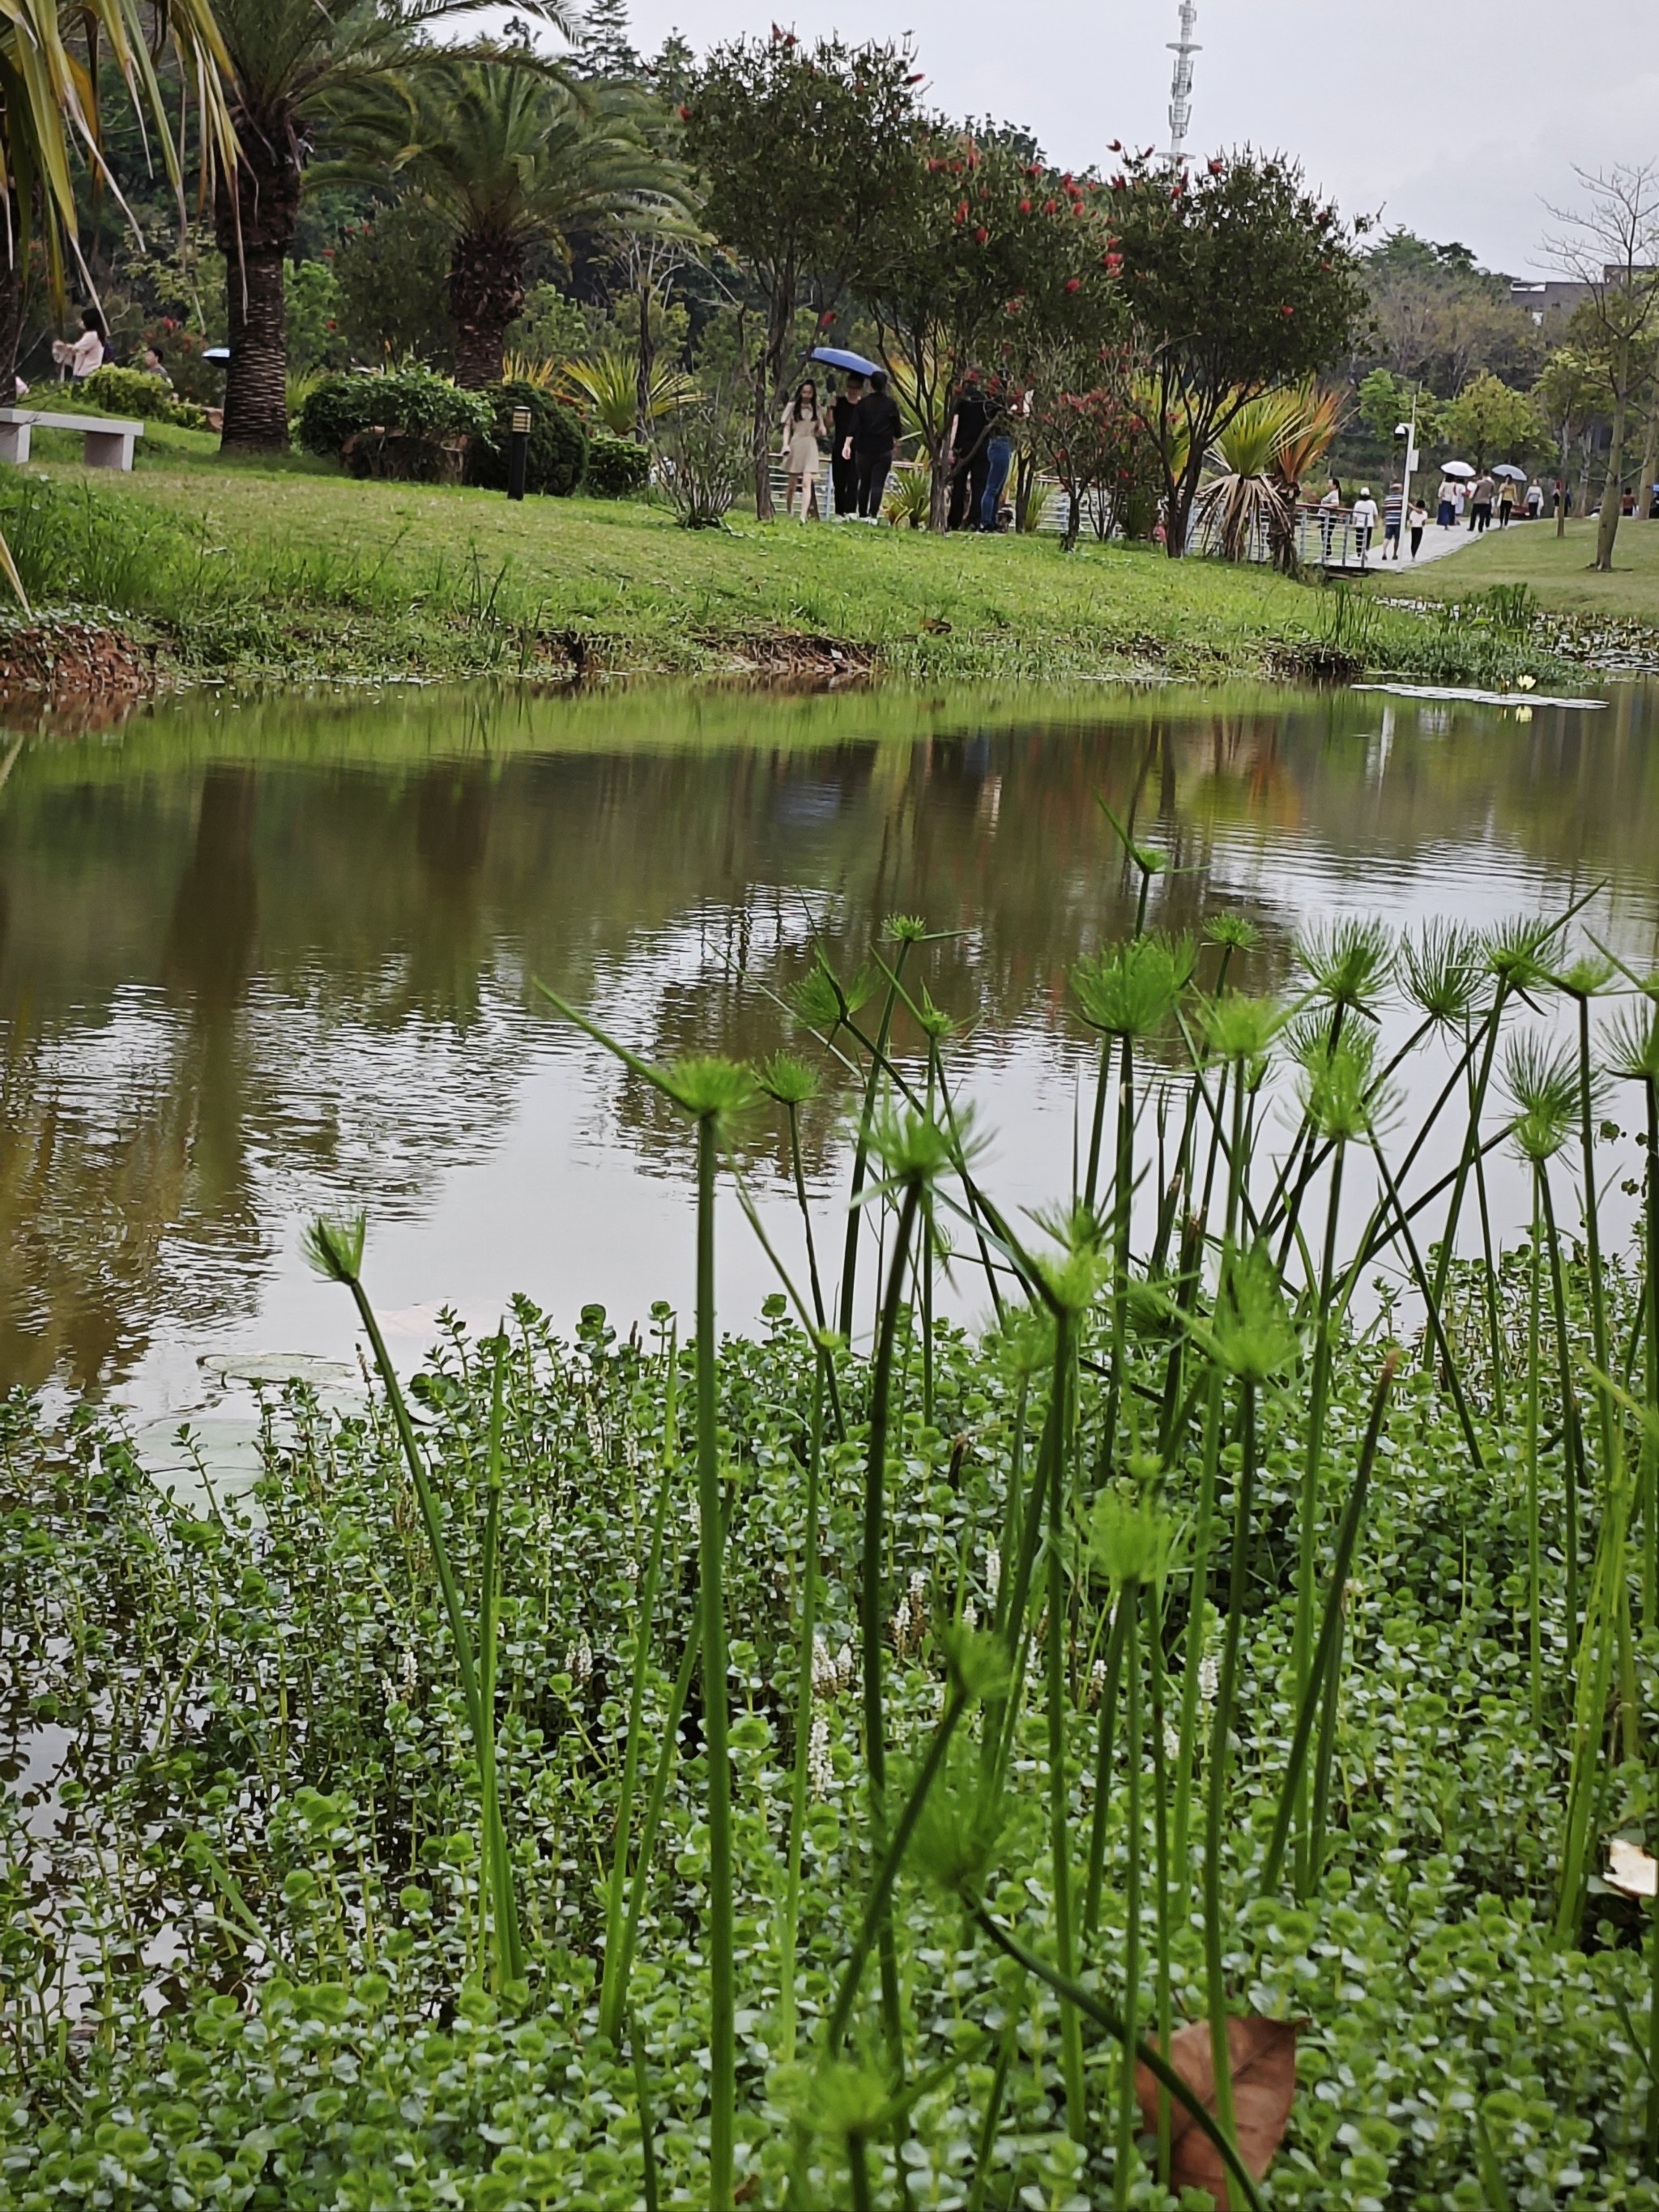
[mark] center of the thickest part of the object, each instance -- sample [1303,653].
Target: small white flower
[1171,1741]
[580,1665]
[994,1573]
[1097,1681]
[971,1616]
[819,1772]
[1209,1678]
[630,1569]
[410,1671]
[826,1676]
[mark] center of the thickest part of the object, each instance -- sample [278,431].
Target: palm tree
[50,122]
[291,60]
[512,152]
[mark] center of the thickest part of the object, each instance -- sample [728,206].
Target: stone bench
[107,442]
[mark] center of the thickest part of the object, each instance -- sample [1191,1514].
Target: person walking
[1506,502]
[1417,521]
[1446,502]
[1364,522]
[843,469]
[1393,508]
[1460,503]
[876,427]
[803,427]
[1535,501]
[1480,507]
[1329,507]
[968,452]
[999,455]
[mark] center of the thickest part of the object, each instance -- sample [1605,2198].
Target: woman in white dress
[803,427]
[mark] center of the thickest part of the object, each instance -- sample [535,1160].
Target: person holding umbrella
[843,469]
[1508,477]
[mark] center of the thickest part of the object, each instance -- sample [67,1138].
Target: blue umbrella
[837,357]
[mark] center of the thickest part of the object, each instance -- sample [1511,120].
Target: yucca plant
[537,370]
[1242,509]
[606,390]
[909,498]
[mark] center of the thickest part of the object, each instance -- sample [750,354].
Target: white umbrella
[1509,469]
[1459,469]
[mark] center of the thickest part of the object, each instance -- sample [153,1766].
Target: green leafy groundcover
[256,1892]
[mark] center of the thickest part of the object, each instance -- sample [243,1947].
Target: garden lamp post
[1408,431]
[518,452]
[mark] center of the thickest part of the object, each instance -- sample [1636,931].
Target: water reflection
[256,960]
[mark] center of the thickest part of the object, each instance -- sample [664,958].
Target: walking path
[1438,544]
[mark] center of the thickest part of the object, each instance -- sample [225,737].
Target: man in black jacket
[876,426]
[843,469]
[969,456]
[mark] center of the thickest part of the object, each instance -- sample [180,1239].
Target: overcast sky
[1453,117]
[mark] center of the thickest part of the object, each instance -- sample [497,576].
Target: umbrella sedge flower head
[788,1079]
[333,1246]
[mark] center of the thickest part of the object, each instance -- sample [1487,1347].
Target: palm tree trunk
[486,291]
[255,212]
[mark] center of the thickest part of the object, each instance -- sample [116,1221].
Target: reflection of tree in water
[305,983]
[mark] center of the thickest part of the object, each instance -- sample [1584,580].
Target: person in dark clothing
[843,469]
[969,452]
[876,426]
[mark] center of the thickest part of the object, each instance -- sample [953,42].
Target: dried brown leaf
[1631,1870]
[1263,2066]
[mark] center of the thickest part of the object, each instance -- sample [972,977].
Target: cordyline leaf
[1263,2056]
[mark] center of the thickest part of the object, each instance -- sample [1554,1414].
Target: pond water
[262,957]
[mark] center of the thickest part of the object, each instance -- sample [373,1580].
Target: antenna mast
[1180,87]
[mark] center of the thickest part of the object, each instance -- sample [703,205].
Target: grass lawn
[290,567]
[1558,568]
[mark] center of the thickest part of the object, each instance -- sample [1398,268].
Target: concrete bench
[107,442]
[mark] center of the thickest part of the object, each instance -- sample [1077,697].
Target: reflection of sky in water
[325,1002]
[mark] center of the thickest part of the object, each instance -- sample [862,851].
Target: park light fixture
[518,453]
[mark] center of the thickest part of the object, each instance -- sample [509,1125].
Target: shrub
[558,444]
[135,392]
[703,452]
[616,467]
[416,411]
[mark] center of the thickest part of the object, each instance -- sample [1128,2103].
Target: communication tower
[1180,87]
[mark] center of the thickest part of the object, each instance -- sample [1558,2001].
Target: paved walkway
[1438,544]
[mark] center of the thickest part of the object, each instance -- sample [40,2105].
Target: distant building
[1554,296]
[1557,295]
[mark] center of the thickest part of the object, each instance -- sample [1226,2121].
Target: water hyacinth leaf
[1263,2065]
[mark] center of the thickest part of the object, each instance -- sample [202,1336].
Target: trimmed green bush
[133,393]
[416,410]
[616,467]
[558,454]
